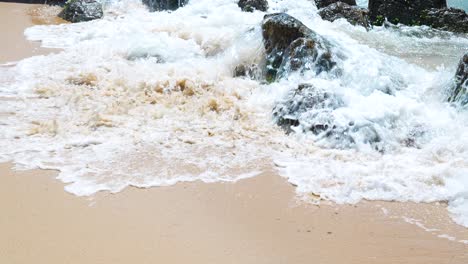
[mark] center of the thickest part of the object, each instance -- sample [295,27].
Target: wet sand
[257,220]
[14,19]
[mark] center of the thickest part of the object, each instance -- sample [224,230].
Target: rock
[449,19]
[355,15]
[41,2]
[161,5]
[291,46]
[311,110]
[251,71]
[325,3]
[251,5]
[406,12]
[81,11]
[289,114]
[459,91]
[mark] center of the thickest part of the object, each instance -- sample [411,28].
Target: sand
[14,19]
[257,220]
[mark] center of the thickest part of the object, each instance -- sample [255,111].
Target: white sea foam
[148,99]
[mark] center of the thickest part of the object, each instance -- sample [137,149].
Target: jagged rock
[355,15]
[251,5]
[81,11]
[325,3]
[291,46]
[309,109]
[407,12]
[450,19]
[161,5]
[459,92]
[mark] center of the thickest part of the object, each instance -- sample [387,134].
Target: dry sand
[257,220]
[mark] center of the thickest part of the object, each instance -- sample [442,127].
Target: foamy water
[148,99]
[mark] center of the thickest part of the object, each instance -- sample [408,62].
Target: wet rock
[291,46]
[325,3]
[251,71]
[161,5]
[459,91]
[407,12]
[251,5]
[307,100]
[449,19]
[416,137]
[355,15]
[42,2]
[308,109]
[81,11]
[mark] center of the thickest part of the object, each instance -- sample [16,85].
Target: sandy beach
[257,220]
[14,45]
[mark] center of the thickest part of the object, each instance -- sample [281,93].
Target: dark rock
[450,19]
[406,12]
[42,2]
[291,46]
[161,5]
[459,91]
[251,5]
[355,15]
[81,11]
[308,109]
[250,71]
[325,3]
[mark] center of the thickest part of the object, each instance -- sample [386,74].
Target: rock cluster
[432,13]
[449,19]
[401,11]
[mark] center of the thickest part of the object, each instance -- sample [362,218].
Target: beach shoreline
[15,18]
[256,220]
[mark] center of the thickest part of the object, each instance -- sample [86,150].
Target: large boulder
[251,5]
[81,11]
[325,3]
[459,92]
[355,15]
[291,46]
[450,19]
[161,5]
[407,12]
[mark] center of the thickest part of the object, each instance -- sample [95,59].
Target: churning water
[148,99]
